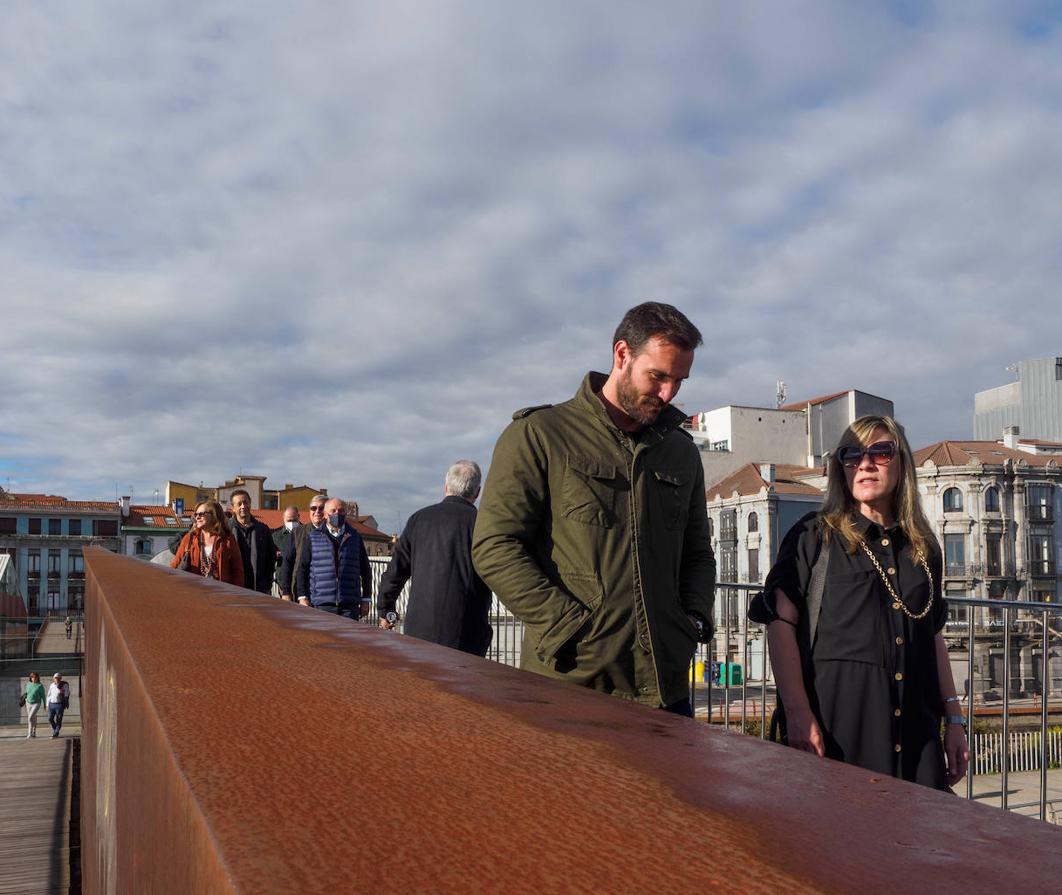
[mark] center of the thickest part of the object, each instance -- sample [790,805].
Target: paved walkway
[35,809]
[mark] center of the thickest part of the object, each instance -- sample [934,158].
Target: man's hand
[956,752]
[804,733]
[286,597]
[384,623]
[304,601]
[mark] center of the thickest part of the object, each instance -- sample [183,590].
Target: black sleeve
[287,566]
[396,576]
[940,605]
[366,569]
[302,572]
[791,572]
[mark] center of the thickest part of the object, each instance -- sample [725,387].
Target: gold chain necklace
[897,603]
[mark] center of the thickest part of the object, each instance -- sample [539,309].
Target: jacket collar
[670,418]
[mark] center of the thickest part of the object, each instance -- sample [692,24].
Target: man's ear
[621,354]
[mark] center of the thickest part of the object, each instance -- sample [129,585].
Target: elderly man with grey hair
[448,601]
[333,568]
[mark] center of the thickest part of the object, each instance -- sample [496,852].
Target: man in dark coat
[448,601]
[256,544]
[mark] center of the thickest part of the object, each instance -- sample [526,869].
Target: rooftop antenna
[1013,368]
[780,393]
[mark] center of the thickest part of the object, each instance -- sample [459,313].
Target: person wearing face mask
[289,561]
[333,571]
[281,537]
[256,544]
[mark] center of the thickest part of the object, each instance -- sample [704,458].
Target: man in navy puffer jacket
[334,570]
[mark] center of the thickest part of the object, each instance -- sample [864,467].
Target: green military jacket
[597,540]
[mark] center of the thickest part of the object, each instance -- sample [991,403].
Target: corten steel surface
[237,743]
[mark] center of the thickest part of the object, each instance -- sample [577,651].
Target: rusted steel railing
[236,743]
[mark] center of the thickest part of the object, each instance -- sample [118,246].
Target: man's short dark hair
[653,318]
[242,491]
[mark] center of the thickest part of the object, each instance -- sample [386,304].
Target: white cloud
[341,245]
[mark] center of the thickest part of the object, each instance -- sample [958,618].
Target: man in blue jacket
[333,569]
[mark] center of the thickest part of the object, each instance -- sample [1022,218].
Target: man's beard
[643,409]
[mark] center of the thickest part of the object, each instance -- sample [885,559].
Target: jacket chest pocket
[671,497]
[588,493]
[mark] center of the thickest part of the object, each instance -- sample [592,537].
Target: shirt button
[891,570]
[896,712]
[897,747]
[884,542]
[899,641]
[895,605]
[899,676]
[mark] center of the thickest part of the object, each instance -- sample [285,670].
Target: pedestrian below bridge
[448,602]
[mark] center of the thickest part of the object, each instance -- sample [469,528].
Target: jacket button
[895,605]
[891,570]
[897,747]
[896,712]
[899,676]
[884,542]
[899,641]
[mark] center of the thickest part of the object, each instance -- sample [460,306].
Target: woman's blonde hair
[838,509]
[216,523]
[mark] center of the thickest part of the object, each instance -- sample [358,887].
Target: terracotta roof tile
[747,481]
[965,453]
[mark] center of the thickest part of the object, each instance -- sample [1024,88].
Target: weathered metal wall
[237,743]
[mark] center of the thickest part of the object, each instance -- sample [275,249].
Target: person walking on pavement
[34,701]
[58,702]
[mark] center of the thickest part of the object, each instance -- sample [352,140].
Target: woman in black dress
[878,682]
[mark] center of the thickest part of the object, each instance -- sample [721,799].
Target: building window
[34,526]
[754,566]
[1040,554]
[1058,368]
[754,522]
[711,529]
[77,562]
[992,500]
[953,500]
[994,555]
[53,562]
[33,561]
[954,555]
[77,596]
[8,525]
[728,525]
[55,526]
[1038,501]
[728,564]
[143,547]
[104,528]
[33,597]
[74,528]
[53,598]
[723,445]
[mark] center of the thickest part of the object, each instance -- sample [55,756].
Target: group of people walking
[593,531]
[57,700]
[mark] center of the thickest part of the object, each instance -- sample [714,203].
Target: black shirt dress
[875,693]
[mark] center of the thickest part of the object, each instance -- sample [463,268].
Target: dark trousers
[55,717]
[344,611]
[682,707]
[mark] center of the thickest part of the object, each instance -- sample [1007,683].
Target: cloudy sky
[339,243]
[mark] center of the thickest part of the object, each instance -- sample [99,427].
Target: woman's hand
[804,733]
[956,752]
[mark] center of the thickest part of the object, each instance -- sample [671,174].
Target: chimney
[767,472]
[1010,437]
[123,504]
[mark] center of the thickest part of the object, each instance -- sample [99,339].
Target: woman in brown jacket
[210,548]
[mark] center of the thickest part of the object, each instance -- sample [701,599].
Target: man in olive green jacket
[593,528]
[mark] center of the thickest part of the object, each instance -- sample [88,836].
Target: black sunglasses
[880,454]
